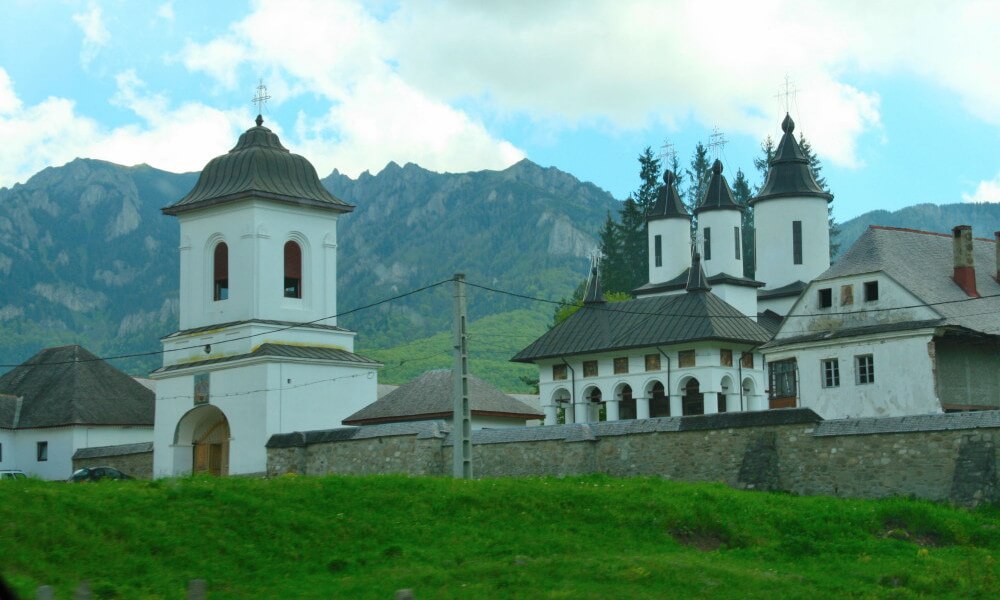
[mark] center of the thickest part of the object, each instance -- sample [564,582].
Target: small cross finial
[667,152]
[788,94]
[716,142]
[260,99]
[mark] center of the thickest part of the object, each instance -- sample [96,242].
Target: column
[550,413]
[711,402]
[581,415]
[642,408]
[676,406]
[733,403]
[568,413]
[612,410]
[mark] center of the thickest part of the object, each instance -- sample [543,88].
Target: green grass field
[591,537]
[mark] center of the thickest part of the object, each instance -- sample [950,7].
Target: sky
[901,101]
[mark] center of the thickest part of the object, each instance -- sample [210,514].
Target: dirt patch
[699,540]
[898,531]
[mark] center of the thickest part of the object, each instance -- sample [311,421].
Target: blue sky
[902,106]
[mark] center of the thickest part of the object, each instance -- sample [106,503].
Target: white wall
[676,248]
[722,224]
[777,305]
[773,223]
[742,298]
[8,451]
[321,405]
[60,452]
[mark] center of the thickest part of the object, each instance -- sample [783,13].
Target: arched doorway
[693,402]
[596,410]
[206,430]
[564,406]
[726,388]
[659,403]
[626,403]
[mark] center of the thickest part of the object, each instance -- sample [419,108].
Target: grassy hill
[492,341]
[592,537]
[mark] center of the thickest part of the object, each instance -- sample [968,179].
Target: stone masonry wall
[937,457]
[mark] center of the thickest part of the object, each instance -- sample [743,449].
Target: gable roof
[70,386]
[645,323]
[923,263]
[429,397]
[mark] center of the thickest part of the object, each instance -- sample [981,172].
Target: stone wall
[135,460]
[951,457]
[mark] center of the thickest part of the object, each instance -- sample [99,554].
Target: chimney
[996,236]
[965,271]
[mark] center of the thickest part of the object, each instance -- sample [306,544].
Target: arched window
[293,270]
[220,272]
[659,404]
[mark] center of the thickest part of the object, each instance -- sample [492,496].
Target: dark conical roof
[258,166]
[697,282]
[668,203]
[789,174]
[718,196]
[594,295]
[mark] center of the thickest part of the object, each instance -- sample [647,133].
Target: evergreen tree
[742,195]
[699,174]
[634,248]
[816,167]
[649,176]
[612,267]
[763,162]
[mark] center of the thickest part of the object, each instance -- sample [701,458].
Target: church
[258,350]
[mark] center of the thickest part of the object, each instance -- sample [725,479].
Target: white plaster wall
[904,380]
[236,340]
[256,232]
[85,436]
[59,466]
[723,258]
[308,400]
[773,223]
[676,247]
[8,451]
[778,305]
[740,297]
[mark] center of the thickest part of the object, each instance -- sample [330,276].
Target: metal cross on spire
[716,142]
[667,152]
[261,97]
[788,94]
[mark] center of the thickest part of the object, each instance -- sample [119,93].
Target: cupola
[789,174]
[718,196]
[668,203]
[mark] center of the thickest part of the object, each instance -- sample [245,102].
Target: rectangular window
[825,298]
[746,360]
[708,243]
[1,452]
[42,451]
[652,362]
[864,369]
[797,242]
[558,372]
[831,372]
[726,357]
[782,379]
[590,368]
[621,365]
[685,358]
[846,295]
[658,250]
[871,291]
[736,237]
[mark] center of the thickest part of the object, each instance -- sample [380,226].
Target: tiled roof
[258,166]
[70,386]
[429,396]
[936,422]
[923,263]
[281,350]
[119,450]
[644,323]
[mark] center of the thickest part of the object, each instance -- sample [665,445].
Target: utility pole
[461,430]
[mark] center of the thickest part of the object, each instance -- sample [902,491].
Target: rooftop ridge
[921,231]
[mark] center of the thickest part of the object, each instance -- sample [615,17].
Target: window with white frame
[864,369]
[831,372]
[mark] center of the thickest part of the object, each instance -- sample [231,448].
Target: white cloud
[95,33]
[51,132]
[166,11]
[986,191]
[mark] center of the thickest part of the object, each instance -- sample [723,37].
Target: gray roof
[794,288]
[594,293]
[668,203]
[70,386]
[288,324]
[297,439]
[645,323]
[696,276]
[261,167]
[429,397]
[846,332]
[935,422]
[770,320]
[718,196]
[680,283]
[282,351]
[119,450]
[790,174]
[923,263]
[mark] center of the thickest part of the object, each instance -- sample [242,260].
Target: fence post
[197,589]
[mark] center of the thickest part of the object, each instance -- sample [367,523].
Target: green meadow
[577,537]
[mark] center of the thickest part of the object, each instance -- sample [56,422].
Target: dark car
[96,474]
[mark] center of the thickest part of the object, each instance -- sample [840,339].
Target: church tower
[792,230]
[259,351]
[669,234]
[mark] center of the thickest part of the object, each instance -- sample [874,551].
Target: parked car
[96,474]
[12,474]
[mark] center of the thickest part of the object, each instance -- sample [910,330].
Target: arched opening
[693,402]
[293,270]
[749,391]
[725,389]
[626,402]
[206,430]
[564,406]
[659,403]
[220,272]
[596,409]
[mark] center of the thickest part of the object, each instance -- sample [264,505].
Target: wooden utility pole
[461,429]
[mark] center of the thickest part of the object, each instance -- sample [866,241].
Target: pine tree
[699,175]
[612,267]
[816,167]
[634,247]
[742,195]
[649,175]
[763,162]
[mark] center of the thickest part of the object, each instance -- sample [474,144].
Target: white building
[64,399]
[906,322]
[259,351]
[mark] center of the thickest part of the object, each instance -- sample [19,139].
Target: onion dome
[668,203]
[790,174]
[697,282]
[718,196]
[259,167]
[594,295]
